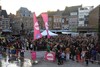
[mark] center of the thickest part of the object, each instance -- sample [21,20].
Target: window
[50,19]
[66,19]
[86,22]
[62,20]
[81,8]
[6,21]
[54,20]
[23,14]
[73,13]
[81,19]
[3,27]
[57,19]
[3,23]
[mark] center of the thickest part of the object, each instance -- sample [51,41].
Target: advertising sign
[50,56]
[33,55]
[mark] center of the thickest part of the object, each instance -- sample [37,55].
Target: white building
[73,21]
[83,15]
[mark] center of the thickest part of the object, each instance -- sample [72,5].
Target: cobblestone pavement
[44,63]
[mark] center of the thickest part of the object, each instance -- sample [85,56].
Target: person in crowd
[27,45]
[48,48]
[22,53]
[83,55]
[93,55]
[87,57]
[22,56]
[72,52]
[62,57]
[78,55]
[31,46]
[59,57]
[67,53]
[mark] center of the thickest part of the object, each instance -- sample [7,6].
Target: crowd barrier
[49,56]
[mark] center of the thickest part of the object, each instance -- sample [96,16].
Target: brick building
[94,18]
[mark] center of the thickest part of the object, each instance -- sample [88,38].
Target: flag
[37,33]
[45,19]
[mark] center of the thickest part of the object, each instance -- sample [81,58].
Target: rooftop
[71,9]
[3,13]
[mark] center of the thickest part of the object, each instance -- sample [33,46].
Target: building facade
[27,23]
[71,14]
[55,20]
[65,25]
[73,21]
[94,18]
[93,21]
[4,20]
[83,13]
[23,20]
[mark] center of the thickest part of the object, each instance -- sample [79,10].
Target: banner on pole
[37,33]
[45,19]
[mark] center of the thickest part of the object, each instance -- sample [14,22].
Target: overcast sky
[39,6]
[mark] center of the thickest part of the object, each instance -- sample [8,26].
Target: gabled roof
[71,9]
[58,12]
[95,9]
[51,13]
[4,13]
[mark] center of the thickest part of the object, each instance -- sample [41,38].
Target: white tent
[44,33]
[72,33]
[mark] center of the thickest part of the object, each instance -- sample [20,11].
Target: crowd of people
[66,47]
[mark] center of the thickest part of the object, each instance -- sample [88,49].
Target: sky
[39,6]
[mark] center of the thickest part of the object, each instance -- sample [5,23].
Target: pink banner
[37,33]
[45,19]
[33,55]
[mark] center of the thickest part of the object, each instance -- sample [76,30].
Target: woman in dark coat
[87,57]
